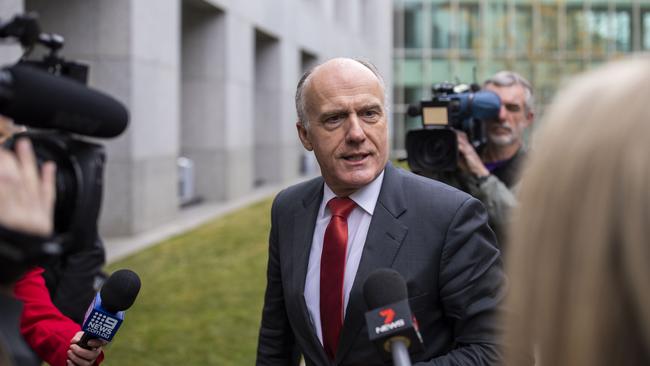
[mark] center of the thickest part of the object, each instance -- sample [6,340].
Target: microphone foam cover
[46,101]
[384,286]
[120,290]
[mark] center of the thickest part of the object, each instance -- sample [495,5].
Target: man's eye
[337,118]
[513,107]
[370,115]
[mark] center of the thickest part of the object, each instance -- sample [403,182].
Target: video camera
[49,95]
[434,148]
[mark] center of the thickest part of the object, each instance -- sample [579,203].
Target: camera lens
[432,150]
[66,179]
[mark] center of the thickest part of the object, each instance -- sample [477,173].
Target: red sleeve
[45,329]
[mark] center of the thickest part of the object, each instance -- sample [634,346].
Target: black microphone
[36,98]
[106,313]
[391,325]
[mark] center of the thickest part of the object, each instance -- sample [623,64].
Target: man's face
[347,128]
[513,118]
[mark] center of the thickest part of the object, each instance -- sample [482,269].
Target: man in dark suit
[329,233]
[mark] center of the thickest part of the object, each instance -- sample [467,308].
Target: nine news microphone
[62,103]
[106,313]
[391,326]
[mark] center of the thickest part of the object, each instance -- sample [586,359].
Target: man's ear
[530,117]
[304,136]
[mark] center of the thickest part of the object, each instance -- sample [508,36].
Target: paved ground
[189,218]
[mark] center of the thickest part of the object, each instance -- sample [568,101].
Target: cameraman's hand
[470,161]
[26,199]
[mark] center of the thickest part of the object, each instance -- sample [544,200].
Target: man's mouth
[355,157]
[500,127]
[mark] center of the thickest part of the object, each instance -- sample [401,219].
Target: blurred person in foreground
[580,255]
[26,218]
[434,235]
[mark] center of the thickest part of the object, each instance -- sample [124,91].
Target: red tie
[332,270]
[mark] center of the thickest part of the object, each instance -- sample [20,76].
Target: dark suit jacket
[435,236]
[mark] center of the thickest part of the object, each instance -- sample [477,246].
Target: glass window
[621,28]
[609,27]
[440,26]
[493,67]
[398,13]
[468,26]
[413,26]
[412,94]
[547,79]
[598,26]
[498,23]
[524,68]
[465,72]
[577,29]
[645,32]
[412,72]
[571,69]
[548,39]
[439,71]
[523,28]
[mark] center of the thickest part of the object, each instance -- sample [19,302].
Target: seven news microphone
[391,325]
[106,312]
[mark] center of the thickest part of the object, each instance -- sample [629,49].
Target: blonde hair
[579,258]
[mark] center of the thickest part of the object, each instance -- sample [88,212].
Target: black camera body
[433,148]
[49,95]
[79,184]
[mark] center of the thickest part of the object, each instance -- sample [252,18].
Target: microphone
[36,98]
[391,326]
[106,313]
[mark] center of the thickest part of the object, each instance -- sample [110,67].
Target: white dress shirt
[358,224]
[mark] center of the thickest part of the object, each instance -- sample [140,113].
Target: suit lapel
[303,231]
[385,236]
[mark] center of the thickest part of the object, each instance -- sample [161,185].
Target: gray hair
[510,78]
[301,108]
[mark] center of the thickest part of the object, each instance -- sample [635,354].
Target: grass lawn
[201,296]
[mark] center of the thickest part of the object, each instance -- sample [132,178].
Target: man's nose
[503,112]
[355,132]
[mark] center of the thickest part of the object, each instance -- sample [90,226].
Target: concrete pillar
[239,92]
[289,144]
[308,163]
[267,120]
[10,52]
[203,123]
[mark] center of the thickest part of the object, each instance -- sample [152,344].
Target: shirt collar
[365,197]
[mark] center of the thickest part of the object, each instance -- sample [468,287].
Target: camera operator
[493,175]
[26,220]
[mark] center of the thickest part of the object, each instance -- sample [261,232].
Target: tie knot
[341,206]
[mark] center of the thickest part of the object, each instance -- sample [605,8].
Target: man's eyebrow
[370,106]
[338,111]
[332,112]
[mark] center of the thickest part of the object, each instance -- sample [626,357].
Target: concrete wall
[9,53]
[133,48]
[211,80]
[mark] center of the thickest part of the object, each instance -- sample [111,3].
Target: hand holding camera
[26,197]
[469,160]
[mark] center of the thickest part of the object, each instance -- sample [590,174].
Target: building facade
[209,81]
[544,40]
